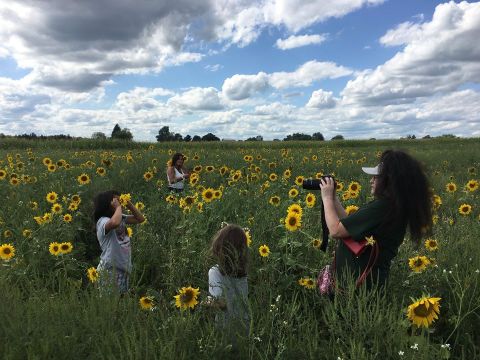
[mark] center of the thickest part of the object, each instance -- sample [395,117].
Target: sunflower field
[52,308]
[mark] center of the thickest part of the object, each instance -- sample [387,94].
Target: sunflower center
[422,311]
[187,296]
[292,221]
[418,262]
[6,251]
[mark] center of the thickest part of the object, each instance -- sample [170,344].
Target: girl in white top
[176,173]
[227,280]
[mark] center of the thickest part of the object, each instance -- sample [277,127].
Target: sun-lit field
[48,248]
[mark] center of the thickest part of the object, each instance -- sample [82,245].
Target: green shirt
[367,221]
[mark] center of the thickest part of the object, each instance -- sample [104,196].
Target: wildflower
[316,243]
[264,250]
[273,177]
[101,171]
[92,274]
[67,218]
[52,167]
[437,201]
[146,302]
[465,209]
[124,199]
[424,311]
[310,199]
[274,200]
[14,181]
[370,240]
[295,208]
[293,221]
[140,205]
[472,185]
[451,187]
[66,247]
[148,175]
[27,233]
[418,263]
[309,283]
[129,231]
[7,251]
[56,208]
[7,234]
[186,298]
[287,173]
[83,179]
[249,237]
[208,195]
[431,244]
[299,180]
[54,248]
[339,186]
[351,209]
[52,197]
[354,187]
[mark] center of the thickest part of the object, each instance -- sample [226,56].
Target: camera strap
[325,232]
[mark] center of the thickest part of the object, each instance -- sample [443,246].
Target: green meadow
[51,309]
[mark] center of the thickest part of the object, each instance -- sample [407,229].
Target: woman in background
[176,173]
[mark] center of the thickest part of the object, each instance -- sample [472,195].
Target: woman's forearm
[332,218]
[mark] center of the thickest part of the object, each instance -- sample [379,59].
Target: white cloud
[294,41]
[307,74]
[239,87]
[197,99]
[321,99]
[440,56]
[402,34]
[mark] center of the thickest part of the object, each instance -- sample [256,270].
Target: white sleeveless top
[176,185]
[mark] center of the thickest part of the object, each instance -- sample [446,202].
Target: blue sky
[240,68]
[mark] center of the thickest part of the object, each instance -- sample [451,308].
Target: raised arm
[333,209]
[137,217]
[116,219]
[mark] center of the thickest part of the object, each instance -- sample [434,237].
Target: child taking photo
[227,280]
[116,258]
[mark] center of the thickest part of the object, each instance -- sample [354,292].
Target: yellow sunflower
[3,174]
[354,186]
[14,181]
[186,298]
[424,311]
[101,171]
[295,208]
[66,247]
[418,263]
[56,208]
[208,195]
[52,167]
[148,175]
[92,274]
[309,283]
[124,199]
[437,201]
[339,186]
[472,185]
[318,175]
[310,200]
[273,177]
[299,180]
[209,168]
[292,193]
[146,302]
[7,251]
[52,197]
[54,248]
[67,218]
[274,200]
[293,221]
[316,243]
[264,251]
[249,237]
[465,209]
[27,233]
[431,244]
[451,187]
[83,179]
[351,209]
[287,173]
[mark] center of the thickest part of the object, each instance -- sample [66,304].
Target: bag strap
[371,262]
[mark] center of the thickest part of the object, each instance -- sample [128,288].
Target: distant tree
[2,135]
[187,138]
[99,135]
[115,131]
[318,136]
[450,136]
[255,138]
[427,137]
[164,134]
[196,138]
[124,134]
[210,137]
[411,137]
[338,137]
[177,137]
[297,136]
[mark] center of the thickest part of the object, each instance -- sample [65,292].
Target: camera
[314,184]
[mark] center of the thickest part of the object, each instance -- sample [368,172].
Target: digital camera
[314,184]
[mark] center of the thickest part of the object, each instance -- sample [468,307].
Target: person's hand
[327,185]
[186,175]
[115,203]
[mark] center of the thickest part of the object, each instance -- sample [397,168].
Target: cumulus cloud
[239,87]
[402,34]
[198,99]
[321,99]
[294,41]
[439,56]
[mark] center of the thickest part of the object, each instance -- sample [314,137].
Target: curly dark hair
[403,183]
[175,157]
[229,247]
[102,204]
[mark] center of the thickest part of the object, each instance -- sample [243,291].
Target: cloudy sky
[240,68]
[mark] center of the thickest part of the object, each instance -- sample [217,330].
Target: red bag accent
[356,247]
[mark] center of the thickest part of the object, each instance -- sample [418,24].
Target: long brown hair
[229,247]
[403,183]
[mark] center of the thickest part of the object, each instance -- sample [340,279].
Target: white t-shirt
[235,293]
[115,244]
[179,184]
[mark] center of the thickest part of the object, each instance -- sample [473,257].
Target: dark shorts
[175,190]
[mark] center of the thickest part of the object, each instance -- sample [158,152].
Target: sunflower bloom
[451,187]
[208,195]
[293,221]
[299,180]
[465,209]
[274,200]
[351,209]
[101,171]
[292,193]
[92,274]
[310,200]
[66,247]
[146,302]
[83,179]
[264,251]
[56,208]
[309,283]
[424,311]
[354,187]
[431,244]
[148,175]
[249,238]
[316,243]
[67,218]
[186,298]
[7,251]
[418,263]
[52,197]
[124,199]
[54,248]
[472,185]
